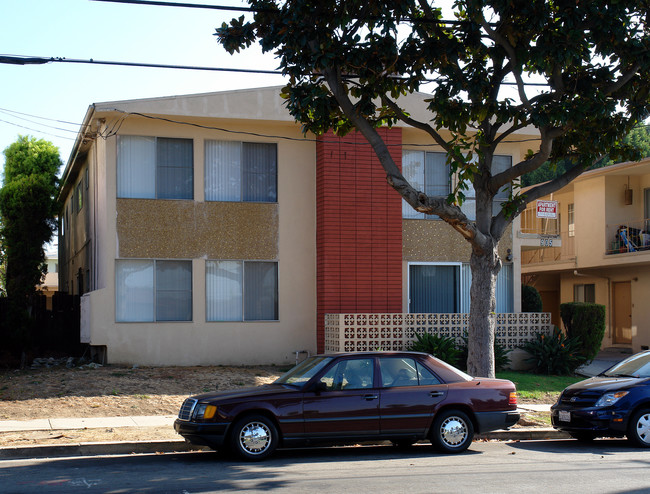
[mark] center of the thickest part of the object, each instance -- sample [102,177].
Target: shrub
[442,347]
[556,354]
[531,300]
[501,357]
[586,322]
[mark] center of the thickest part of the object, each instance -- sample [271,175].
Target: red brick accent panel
[359,228]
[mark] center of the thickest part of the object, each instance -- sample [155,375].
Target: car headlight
[205,411]
[610,398]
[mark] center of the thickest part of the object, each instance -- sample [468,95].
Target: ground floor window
[445,288]
[148,290]
[584,293]
[241,290]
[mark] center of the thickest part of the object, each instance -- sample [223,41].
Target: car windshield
[635,366]
[304,371]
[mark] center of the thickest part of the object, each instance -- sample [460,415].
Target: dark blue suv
[615,403]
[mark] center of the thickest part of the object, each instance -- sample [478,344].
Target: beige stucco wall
[288,226]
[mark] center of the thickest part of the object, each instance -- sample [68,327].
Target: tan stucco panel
[187,229]
[436,241]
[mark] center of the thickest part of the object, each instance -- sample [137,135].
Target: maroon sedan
[350,397]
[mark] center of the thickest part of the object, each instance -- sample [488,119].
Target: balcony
[631,236]
[564,251]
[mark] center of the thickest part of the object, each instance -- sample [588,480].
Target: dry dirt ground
[115,391]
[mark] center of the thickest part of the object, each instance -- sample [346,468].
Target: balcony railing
[631,236]
[367,332]
[551,254]
[530,223]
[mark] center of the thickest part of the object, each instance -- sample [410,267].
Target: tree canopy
[27,208]
[349,62]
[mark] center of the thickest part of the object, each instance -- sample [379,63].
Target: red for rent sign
[547,209]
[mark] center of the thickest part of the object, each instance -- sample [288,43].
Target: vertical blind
[241,291]
[155,168]
[147,290]
[240,171]
[224,290]
[444,288]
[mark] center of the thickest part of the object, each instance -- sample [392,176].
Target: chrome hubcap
[255,438]
[453,431]
[643,428]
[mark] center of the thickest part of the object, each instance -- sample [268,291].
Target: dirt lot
[115,391]
[110,391]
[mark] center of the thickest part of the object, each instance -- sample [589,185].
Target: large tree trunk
[482,316]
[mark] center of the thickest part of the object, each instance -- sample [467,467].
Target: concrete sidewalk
[165,446]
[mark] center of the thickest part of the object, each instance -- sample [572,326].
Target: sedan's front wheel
[638,431]
[452,431]
[254,437]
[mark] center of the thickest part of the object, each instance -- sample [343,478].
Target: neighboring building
[597,250]
[207,229]
[50,284]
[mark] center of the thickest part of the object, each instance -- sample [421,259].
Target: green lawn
[536,387]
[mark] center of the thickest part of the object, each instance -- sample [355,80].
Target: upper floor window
[79,197]
[241,171]
[428,172]
[500,163]
[155,168]
[572,220]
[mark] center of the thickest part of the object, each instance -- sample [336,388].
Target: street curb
[162,446]
[98,449]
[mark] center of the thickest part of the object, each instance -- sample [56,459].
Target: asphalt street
[566,466]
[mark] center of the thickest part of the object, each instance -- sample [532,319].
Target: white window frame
[240,314]
[152,314]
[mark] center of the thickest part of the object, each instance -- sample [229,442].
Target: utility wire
[29,60]
[37,130]
[157,3]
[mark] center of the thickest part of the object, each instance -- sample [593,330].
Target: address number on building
[546,242]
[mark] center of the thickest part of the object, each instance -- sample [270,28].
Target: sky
[50,101]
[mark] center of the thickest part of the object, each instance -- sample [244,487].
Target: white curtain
[222,171]
[136,167]
[224,290]
[413,171]
[134,299]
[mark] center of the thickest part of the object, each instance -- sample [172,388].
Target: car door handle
[435,394]
[370,397]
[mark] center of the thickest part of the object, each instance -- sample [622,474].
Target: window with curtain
[444,288]
[434,288]
[584,293]
[241,291]
[153,290]
[155,168]
[426,171]
[240,171]
[500,163]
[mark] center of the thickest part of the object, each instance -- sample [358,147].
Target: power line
[30,60]
[158,3]
[37,130]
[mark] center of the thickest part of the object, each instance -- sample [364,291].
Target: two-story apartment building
[597,250]
[207,229]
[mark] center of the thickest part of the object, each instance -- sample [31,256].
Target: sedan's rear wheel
[638,430]
[254,437]
[452,431]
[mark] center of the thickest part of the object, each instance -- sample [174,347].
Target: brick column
[359,228]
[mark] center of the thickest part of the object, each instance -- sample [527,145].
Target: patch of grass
[118,374]
[115,392]
[143,397]
[538,387]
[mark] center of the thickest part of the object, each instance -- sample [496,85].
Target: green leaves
[28,210]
